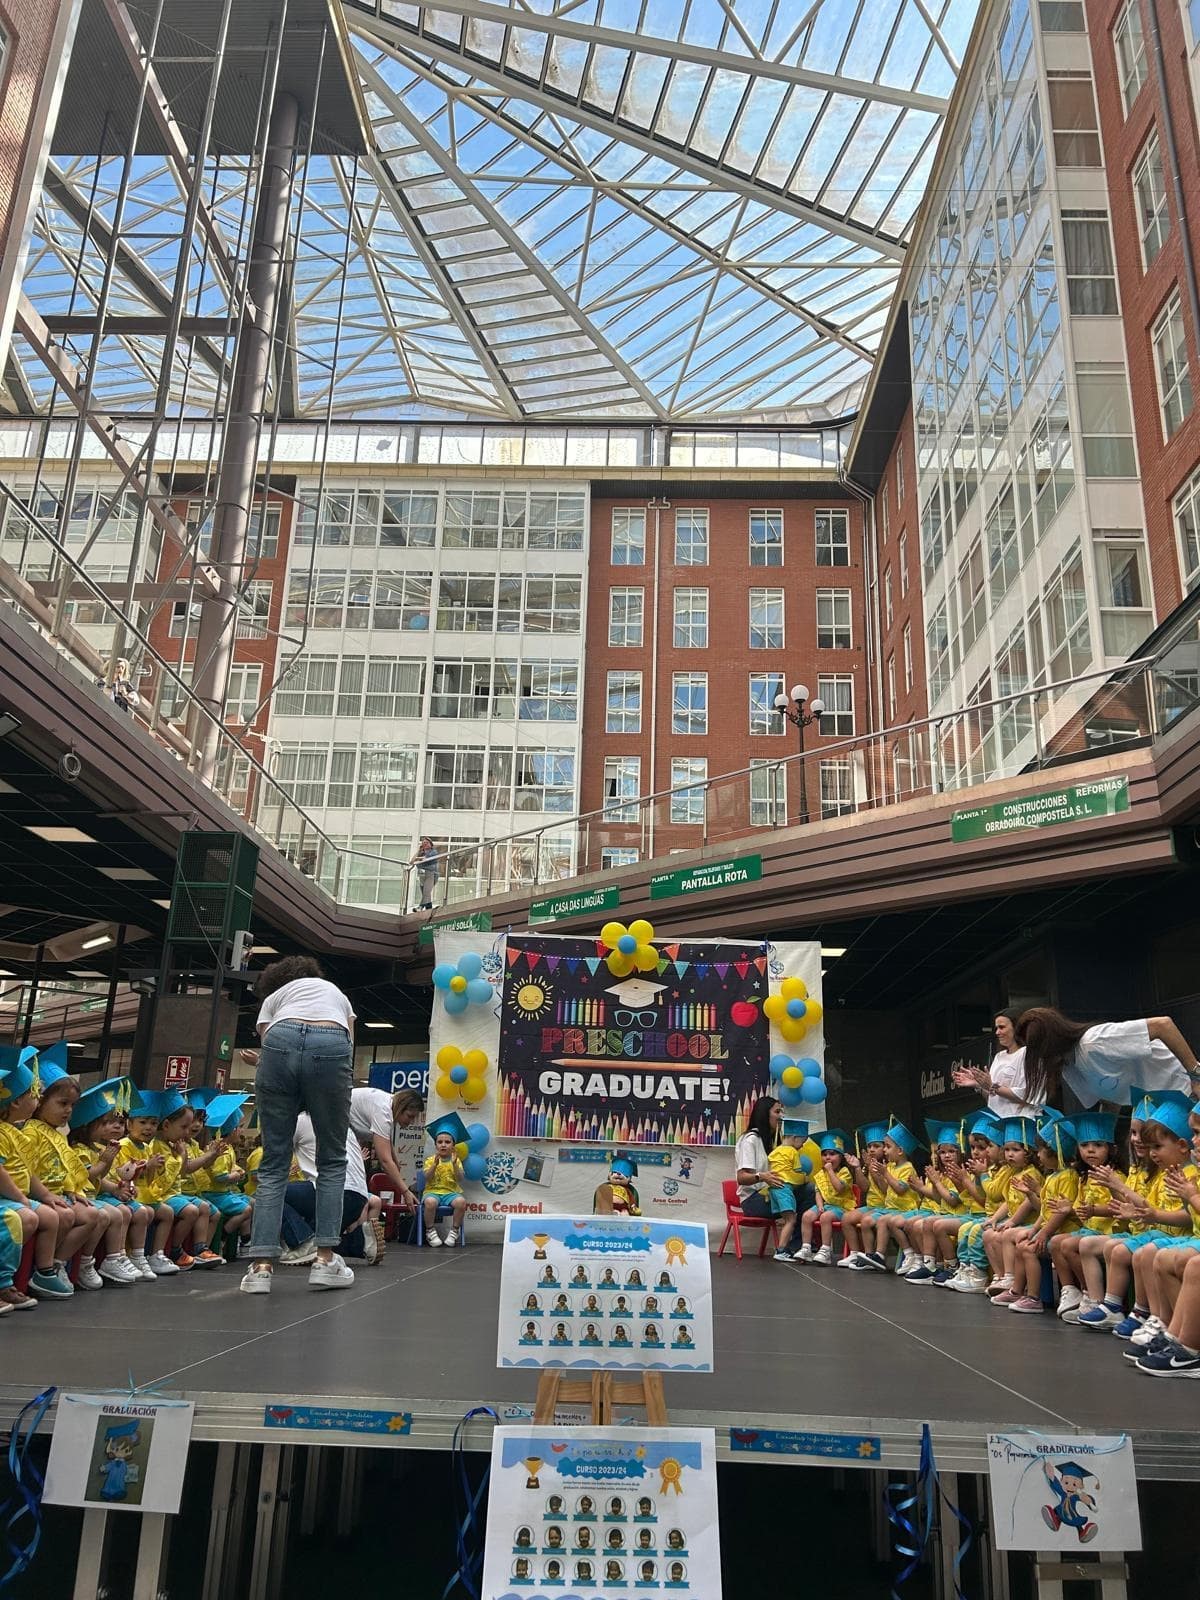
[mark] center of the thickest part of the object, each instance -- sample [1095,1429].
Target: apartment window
[472,521]
[620,855]
[1125,614]
[622,785]
[689,702]
[1106,422]
[766,687]
[939,652]
[552,605]
[691,538]
[885,514]
[262,540]
[691,619]
[556,518]
[687,803]
[889,609]
[467,601]
[1150,199]
[1067,630]
[403,601]
[243,692]
[902,562]
[1061,16]
[833,538]
[308,688]
[318,774]
[1171,365]
[899,475]
[388,688]
[768,794]
[766,619]
[1091,277]
[1129,45]
[185,618]
[254,606]
[836,689]
[623,713]
[387,778]
[1187,525]
[628,538]
[375,871]
[1073,119]
[837,787]
[906,640]
[408,520]
[833,619]
[625,608]
[454,778]
[766,538]
[464,689]
[891,689]
[543,780]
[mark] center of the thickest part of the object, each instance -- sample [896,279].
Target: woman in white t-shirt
[754,1176]
[1002,1082]
[306,1025]
[1103,1060]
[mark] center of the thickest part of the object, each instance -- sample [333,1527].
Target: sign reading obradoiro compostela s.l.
[1079,802]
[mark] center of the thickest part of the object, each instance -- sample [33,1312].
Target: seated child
[1056,1149]
[157,1143]
[1022,1199]
[834,1184]
[444,1179]
[859,1225]
[97,1129]
[901,1186]
[947,1202]
[989,1179]
[212,1164]
[618,1197]
[785,1162]
[1105,1260]
[1095,1207]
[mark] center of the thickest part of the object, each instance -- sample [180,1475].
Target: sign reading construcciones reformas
[707,875]
[1076,803]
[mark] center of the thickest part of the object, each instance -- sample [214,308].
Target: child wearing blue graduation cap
[195,1219]
[1128,1193]
[902,1188]
[97,1130]
[858,1225]
[444,1178]
[1172,1256]
[948,1202]
[1097,1163]
[834,1185]
[1059,1193]
[1002,1230]
[786,1163]
[212,1172]
[986,1180]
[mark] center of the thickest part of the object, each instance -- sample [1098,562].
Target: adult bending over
[305,1064]
[1002,1082]
[374,1115]
[1103,1060]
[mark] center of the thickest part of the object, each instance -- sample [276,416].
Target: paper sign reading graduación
[615,1512]
[1063,1492]
[605,1292]
[118,1454]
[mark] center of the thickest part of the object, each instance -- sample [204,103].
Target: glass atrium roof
[684,210]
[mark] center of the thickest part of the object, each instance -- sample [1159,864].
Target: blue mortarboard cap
[223,1109]
[169,1102]
[793,1128]
[1019,1130]
[144,1103]
[1058,1134]
[113,1094]
[1072,1469]
[55,1055]
[1140,1101]
[18,1072]
[452,1124]
[201,1098]
[899,1134]
[830,1139]
[48,1072]
[1172,1110]
[623,1166]
[986,1123]
[122,1430]
[942,1133]
[1099,1126]
[871,1133]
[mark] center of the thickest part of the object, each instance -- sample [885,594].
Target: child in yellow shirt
[212,1163]
[902,1188]
[789,1166]
[47,1217]
[195,1220]
[834,1184]
[1056,1151]
[859,1226]
[1021,1203]
[1108,1261]
[986,1180]
[941,1189]
[1097,1153]
[443,1182]
[97,1132]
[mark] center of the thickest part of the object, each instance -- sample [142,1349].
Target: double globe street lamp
[791,708]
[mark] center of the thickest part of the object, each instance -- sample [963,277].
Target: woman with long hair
[754,1176]
[1002,1082]
[1103,1060]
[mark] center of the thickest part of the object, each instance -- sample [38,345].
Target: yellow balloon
[775,1007]
[642,931]
[814,1012]
[645,958]
[449,1056]
[611,932]
[473,1090]
[446,1088]
[460,1149]
[619,964]
[793,1029]
[794,989]
[475,1061]
[458,984]
[792,1076]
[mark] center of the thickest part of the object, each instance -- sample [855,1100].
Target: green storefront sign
[708,875]
[1077,803]
[574,905]
[474,921]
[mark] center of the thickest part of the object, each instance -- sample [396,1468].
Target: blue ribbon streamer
[27,1481]
[468,1544]
[913,1533]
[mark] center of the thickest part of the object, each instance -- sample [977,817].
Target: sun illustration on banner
[531,998]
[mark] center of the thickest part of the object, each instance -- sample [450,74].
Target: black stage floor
[796,1348]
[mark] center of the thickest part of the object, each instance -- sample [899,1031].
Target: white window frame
[623,550]
[689,619]
[902,561]
[832,601]
[889,603]
[629,633]
[773,635]
[691,537]
[254,609]
[622,780]
[768,793]
[689,704]
[1129,48]
[1168,339]
[836,689]
[831,536]
[689,779]
[618,855]
[767,551]
[836,780]
[1185,509]
[906,644]
[769,722]
[626,720]
[1150,205]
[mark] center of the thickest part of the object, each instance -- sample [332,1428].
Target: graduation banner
[674,1055]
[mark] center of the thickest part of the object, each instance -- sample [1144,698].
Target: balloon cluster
[791,1010]
[629,948]
[461,1074]
[800,1082]
[473,1159]
[461,984]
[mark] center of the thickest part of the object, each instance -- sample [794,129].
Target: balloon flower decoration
[461,1076]
[791,1010]
[630,949]
[461,983]
[800,1082]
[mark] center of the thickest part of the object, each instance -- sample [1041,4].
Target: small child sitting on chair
[443,1182]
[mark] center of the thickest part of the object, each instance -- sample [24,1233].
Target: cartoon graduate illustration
[120,1441]
[1066,1480]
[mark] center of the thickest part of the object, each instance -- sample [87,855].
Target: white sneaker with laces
[850,1259]
[907,1263]
[142,1267]
[161,1264]
[331,1274]
[824,1256]
[88,1277]
[1069,1299]
[256,1282]
[1085,1304]
[451,1236]
[119,1269]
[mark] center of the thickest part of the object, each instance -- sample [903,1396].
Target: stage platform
[797,1348]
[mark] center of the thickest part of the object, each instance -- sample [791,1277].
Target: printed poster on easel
[1063,1492]
[580,1513]
[117,1454]
[605,1293]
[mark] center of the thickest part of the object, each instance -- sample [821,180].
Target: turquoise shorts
[837,1212]
[16,1205]
[178,1202]
[782,1200]
[445,1199]
[106,1199]
[227,1204]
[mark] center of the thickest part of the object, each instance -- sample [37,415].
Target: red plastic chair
[736,1220]
[392,1213]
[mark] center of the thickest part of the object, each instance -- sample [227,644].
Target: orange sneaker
[207,1258]
[185,1262]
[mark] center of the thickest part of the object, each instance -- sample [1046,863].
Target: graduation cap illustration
[830,1139]
[1171,1110]
[942,1133]
[1099,1127]
[637,992]
[1072,1469]
[900,1135]
[114,1094]
[122,1430]
[1019,1130]
[452,1124]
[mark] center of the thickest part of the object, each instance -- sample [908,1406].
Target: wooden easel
[603,1391]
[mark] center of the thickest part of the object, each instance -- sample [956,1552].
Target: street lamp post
[791,708]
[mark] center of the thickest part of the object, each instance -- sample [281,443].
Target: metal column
[89,1567]
[1058,1576]
[247,406]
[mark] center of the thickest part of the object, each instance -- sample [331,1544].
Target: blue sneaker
[941,1276]
[1128,1326]
[49,1286]
[1101,1316]
[920,1274]
[1173,1363]
[1159,1343]
[783,1255]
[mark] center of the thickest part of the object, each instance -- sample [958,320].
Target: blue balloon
[479,991]
[810,1067]
[442,974]
[418,622]
[779,1064]
[478,1136]
[627,944]
[796,1008]
[805,1164]
[788,1097]
[459,1074]
[456,1004]
[470,965]
[813,1091]
[474,1166]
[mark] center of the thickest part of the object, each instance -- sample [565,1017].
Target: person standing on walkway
[426,863]
[306,1025]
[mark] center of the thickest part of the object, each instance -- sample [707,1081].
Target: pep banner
[676,1055]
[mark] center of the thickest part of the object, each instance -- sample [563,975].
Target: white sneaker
[1086,1303]
[331,1274]
[370,1244]
[256,1282]
[434,1240]
[1148,1332]
[805,1253]
[907,1263]
[451,1236]
[161,1264]
[1069,1299]
[849,1260]
[970,1280]
[824,1256]
[88,1277]
[142,1267]
[301,1255]
[1000,1285]
[119,1269]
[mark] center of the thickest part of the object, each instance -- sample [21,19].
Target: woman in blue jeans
[306,1026]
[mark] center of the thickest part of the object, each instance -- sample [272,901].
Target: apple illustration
[744,1013]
